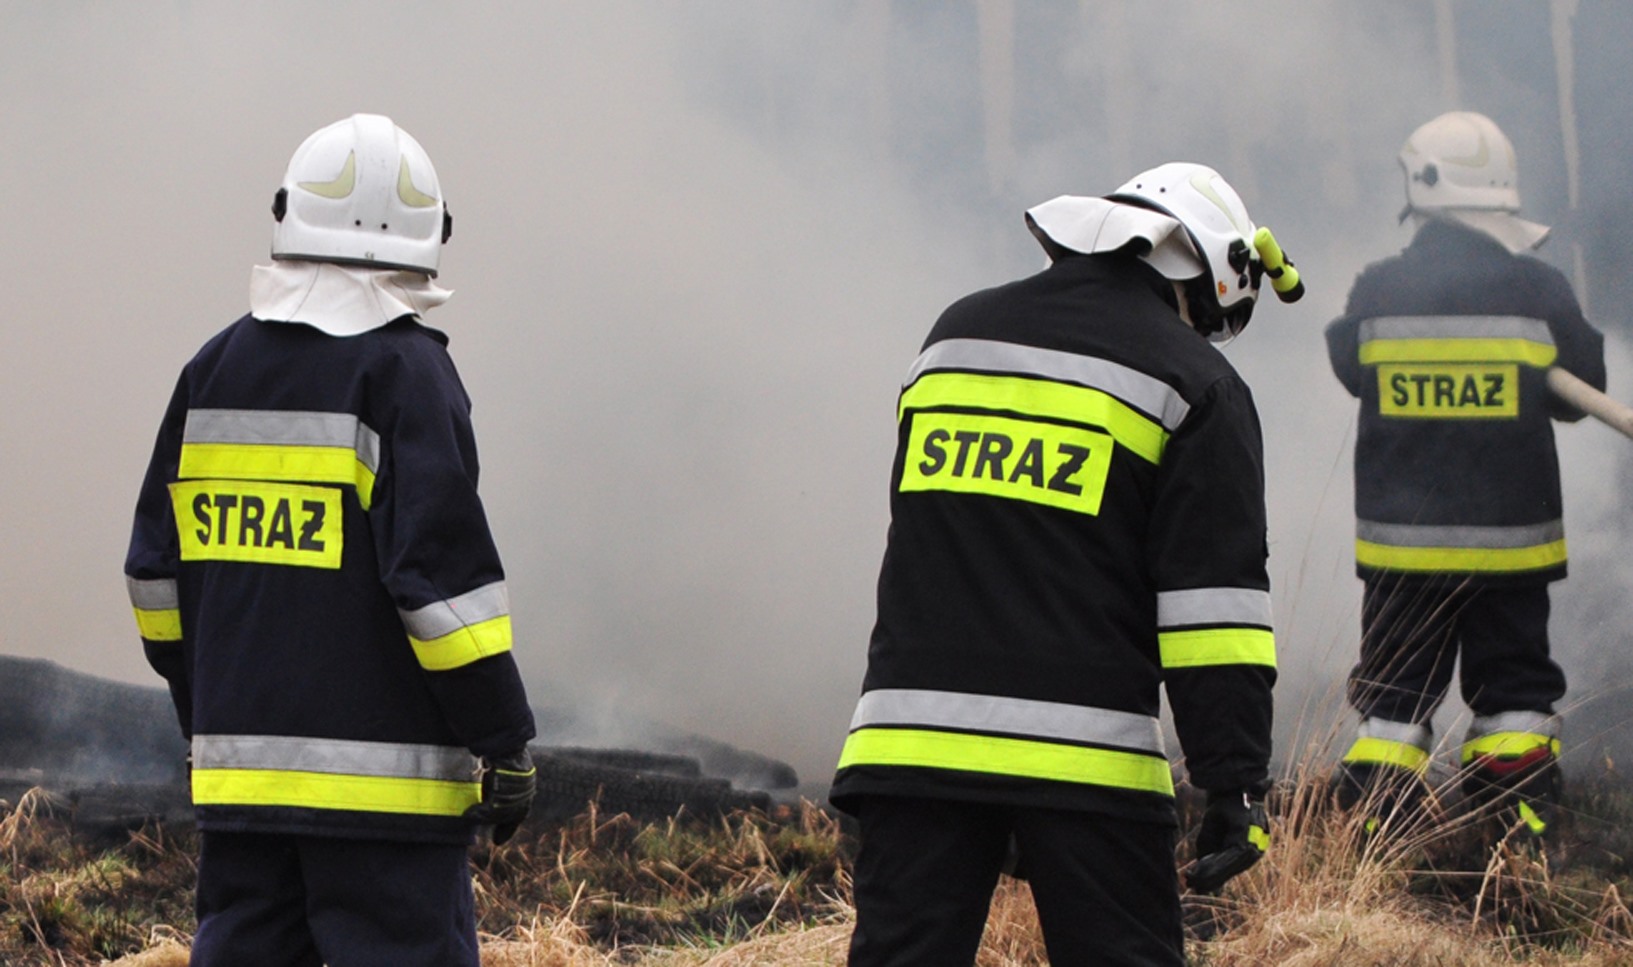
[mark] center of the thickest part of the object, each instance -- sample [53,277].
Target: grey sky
[696,245]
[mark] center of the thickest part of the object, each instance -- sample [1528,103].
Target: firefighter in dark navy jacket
[313,574]
[1457,497]
[1077,521]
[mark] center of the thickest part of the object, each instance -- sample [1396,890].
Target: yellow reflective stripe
[159,625]
[1142,435]
[1369,750]
[256,522]
[257,461]
[1004,756]
[1533,822]
[465,645]
[1524,351]
[322,790]
[1217,646]
[1260,837]
[1508,745]
[1042,463]
[1496,559]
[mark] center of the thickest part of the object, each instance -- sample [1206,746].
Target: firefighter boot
[1391,798]
[1519,793]
[1511,770]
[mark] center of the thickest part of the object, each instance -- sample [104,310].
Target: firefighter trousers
[1106,889]
[1413,631]
[267,900]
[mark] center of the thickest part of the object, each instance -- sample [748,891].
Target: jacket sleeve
[1581,346]
[1209,552]
[151,562]
[438,560]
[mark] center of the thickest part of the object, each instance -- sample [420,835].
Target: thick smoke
[695,248]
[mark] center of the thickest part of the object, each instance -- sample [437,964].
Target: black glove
[1235,833]
[508,783]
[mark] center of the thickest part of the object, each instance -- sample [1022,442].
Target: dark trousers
[1106,890]
[1413,631]
[307,901]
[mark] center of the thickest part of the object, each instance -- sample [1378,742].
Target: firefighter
[1457,499]
[1077,518]
[313,575]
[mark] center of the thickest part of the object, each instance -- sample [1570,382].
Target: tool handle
[1611,412]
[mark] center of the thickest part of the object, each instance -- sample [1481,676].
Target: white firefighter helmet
[1461,166]
[1222,295]
[361,191]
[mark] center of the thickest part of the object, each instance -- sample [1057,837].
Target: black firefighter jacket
[313,574]
[1077,518]
[1448,345]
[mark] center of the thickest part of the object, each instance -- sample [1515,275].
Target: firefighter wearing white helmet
[1077,522]
[1459,526]
[313,574]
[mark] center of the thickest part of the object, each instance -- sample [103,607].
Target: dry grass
[757,891]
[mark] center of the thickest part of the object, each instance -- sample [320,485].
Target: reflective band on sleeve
[1216,646]
[1142,435]
[155,594]
[1412,547]
[1145,393]
[1000,756]
[1508,745]
[157,606]
[159,625]
[449,634]
[272,770]
[1207,606]
[967,712]
[296,446]
[1260,837]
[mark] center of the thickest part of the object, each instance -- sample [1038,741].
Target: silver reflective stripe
[1012,716]
[446,617]
[1206,606]
[1456,327]
[1536,723]
[280,753]
[1146,393]
[1422,535]
[156,594]
[1405,733]
[285,428]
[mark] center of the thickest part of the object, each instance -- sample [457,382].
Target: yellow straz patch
[258,522]
[1042,463]
[1468,391]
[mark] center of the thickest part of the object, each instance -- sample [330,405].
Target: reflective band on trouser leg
[1410,547]
[452,633]
[1511,735]
[1217,646]
[1401,745]
[1002,756]
[379,777]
